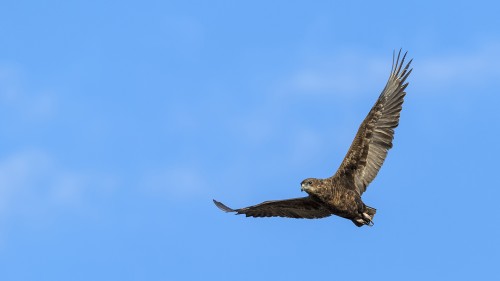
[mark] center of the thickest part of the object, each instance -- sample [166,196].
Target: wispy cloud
[347,75]
[33,185]
[343,74]
[29,103]
[464,68]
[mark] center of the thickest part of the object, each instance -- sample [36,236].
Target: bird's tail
[367,219]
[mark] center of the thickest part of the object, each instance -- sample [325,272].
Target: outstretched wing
[304,207]
[374,138]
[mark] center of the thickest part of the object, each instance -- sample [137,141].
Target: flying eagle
[341,193]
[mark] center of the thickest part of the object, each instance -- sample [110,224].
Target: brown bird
[341,193]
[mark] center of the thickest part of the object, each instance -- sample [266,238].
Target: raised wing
[304,207]
[374,138]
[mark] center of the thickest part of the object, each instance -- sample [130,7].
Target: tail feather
[371,211]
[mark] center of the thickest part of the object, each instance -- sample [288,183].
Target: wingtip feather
[223,207]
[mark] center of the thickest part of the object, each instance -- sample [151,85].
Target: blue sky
[121,120]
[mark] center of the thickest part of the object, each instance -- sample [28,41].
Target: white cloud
[460,68]
[33,187]
[348,75]
[343,74]
[28,103]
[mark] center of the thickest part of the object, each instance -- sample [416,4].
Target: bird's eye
[309,182]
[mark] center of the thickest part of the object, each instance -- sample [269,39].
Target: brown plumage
[341,193]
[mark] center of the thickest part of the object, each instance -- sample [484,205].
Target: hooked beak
[302,188]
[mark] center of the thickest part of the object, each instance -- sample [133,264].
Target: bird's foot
[367,219]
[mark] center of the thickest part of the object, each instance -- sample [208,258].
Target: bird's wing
[374,138]
[304,207]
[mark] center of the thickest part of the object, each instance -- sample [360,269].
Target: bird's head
[309,185]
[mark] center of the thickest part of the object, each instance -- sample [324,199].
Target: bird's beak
[302,187]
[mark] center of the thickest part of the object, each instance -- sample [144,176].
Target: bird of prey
[341,193]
